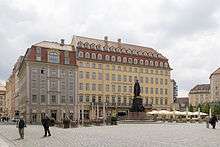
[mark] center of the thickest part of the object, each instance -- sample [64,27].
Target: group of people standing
[46,122]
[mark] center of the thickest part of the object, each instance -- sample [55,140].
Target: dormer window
[124,60]
[86,45]
[141,62]
[119,59]
[107,58]
[93,56]
[99,56]
[113,58]
[79,44]
[53,57]
[81,54]
[87,55]
[151,63]
[129,60]
[135,61]
[146,62]
[161,64]
[156,63]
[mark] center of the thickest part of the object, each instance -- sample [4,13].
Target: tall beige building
[47,81]
[107,72]
[199,94]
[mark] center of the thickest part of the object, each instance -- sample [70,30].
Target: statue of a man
[137,89]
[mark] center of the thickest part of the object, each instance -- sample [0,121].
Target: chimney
[119,42]
[106,38]
[62,42]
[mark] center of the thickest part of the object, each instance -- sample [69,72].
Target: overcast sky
[185,31]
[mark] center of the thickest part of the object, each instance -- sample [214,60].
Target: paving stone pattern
[124,135]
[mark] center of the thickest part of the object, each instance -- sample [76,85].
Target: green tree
[190,108]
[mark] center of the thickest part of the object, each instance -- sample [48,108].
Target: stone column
[104,113]
[82,109]
[97,111]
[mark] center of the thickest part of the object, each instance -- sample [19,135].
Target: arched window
[129,60]
[145,53]
[135,61]
[99,56]
[81,54]
[156,63]
[113,58]
[53,57]
[161,64]
[124,60]
[87,55]
[151,63]
[146,62]
[119,59]
[93,56]
[141,62]
[107,58]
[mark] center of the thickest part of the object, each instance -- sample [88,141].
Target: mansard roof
[200,88]
[110,45]
[54,45]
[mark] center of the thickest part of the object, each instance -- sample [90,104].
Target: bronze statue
[137,89]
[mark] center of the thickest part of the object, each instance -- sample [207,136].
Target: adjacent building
[107,71]
[47,81]
[199,94]
[174,90]
[215,85]
[2,100]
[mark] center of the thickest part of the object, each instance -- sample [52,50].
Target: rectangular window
[87,75]
[161,101]
[107,76]
[146,90]
[93,75]
[42,99]
[165,81]
[119,88]
[87,98]
[81,74]
[166,92]
[113,67]
[141,70]
[87,87]
[34,98]
[100,76]
[146,79]
[107,88]
[81,98]
[66,60]
[100,66]
[130,89]
[63,99]
[113,77]
[119,77]
[80,86]
[152,80]
[125,89]
[93,87]
[161,81]
[100,99]
[71,99]
[161,90]
[100,87]
[124,78]
[113,88]
[141,79]
[53,99]
[156,80]
[152,91]
[107,66]
[113,99]
[156,91]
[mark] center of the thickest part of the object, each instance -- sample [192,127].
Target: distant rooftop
[200,88]
[54,45]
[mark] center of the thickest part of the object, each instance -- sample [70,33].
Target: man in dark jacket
[21,125]
[46,124]
[213,121]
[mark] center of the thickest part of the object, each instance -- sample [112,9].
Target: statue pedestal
[137,105]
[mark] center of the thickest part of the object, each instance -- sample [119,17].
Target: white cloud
[185,31]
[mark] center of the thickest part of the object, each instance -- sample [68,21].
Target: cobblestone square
[126,135]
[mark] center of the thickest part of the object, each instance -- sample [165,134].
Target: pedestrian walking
[21,124]
[46,124]
[207,122]
[213,121]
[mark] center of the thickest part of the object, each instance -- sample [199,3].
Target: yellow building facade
[107,71]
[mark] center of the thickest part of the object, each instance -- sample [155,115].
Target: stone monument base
[137,116]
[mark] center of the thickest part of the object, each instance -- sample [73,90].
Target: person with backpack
[21,125]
